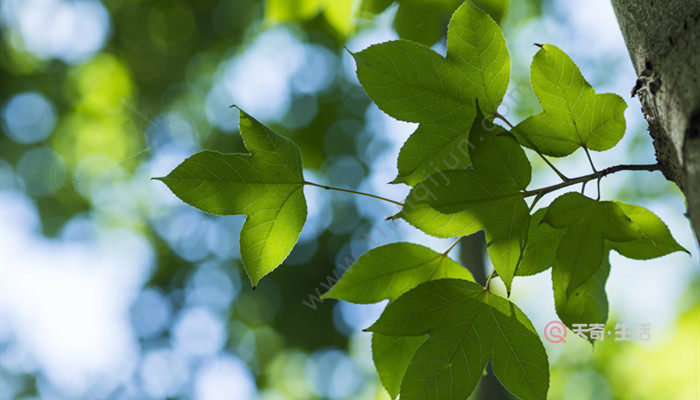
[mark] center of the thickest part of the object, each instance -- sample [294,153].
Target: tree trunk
[663,39]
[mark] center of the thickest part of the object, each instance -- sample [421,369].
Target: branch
[596,175]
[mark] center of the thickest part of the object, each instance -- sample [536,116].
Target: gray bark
[663,39]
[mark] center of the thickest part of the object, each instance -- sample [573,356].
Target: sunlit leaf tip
[655,239]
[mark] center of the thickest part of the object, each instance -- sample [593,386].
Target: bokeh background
[111,288]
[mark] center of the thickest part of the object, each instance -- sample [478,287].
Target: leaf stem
[504,119]
[354,192]
[537,198]
[488,281]
[561,176]
[590,160]
[452,246]
[549,163]
[596,175]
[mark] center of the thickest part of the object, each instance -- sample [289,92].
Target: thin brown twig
[354,192]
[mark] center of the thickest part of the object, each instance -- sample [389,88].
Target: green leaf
[541,250]
[487,197]
[573,114]
[391,357]
[432,148]
[585,304]
[468,326]
[500,209]
[656,239]
[476,46]
[588,224]
[389,271]
[266,185]
[413,83]
[420,214]
[475,43]
[417,212]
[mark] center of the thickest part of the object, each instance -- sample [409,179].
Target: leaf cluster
[467,174]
